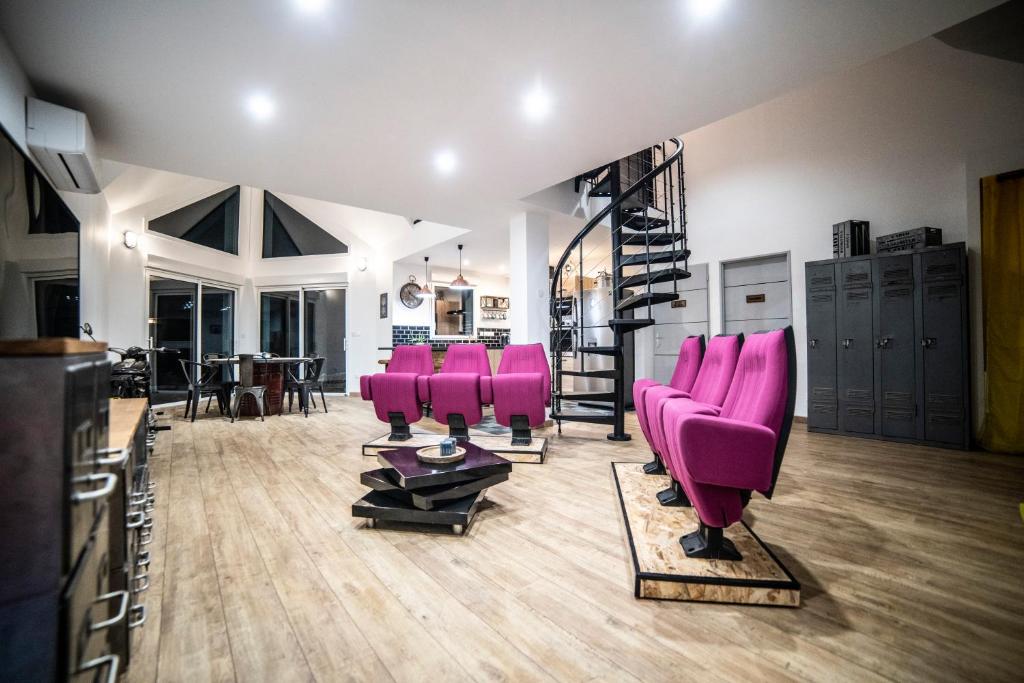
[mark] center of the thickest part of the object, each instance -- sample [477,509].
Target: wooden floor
[911,561]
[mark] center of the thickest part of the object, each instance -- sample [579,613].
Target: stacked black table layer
[408,490]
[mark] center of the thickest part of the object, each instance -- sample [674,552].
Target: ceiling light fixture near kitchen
[460,282]
[446,162]
[536,103]
[260,107]
[310,6]
[425,291]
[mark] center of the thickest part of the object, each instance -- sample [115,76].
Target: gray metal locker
[943,345]
[855,322]
[822,404]
[896,347]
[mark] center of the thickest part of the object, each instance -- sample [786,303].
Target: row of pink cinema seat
[519,392]
[725,436]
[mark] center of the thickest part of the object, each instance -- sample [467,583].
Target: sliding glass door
[311,319]
[190,318]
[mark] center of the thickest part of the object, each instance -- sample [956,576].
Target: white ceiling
[368,92]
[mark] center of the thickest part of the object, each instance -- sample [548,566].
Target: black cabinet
[888,349]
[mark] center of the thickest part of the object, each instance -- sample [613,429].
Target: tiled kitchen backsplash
[411,334]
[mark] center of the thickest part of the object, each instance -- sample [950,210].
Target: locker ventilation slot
[896,274]
[944,419]
[862,411]
[943,291]
[897,293]
[901,415]
[859,295]
[824,408]
[858,394]
[857,278]
[944,401]
[897,398]
[821,281]
[823,393]
[821,298]
[940,269]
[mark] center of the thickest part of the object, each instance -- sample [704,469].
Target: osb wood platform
[533,453]
[661,569]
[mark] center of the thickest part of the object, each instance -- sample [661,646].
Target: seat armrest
[486,389]
[423,388]
[724,452]
[364,388]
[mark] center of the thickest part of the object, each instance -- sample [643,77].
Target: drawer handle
[141,582]
[133,520]
[847,343]
[147,522]
[116,461]
[928,342]
[151,485]
[146,537]
[109,482]
[122,610]
[142,560]
[138,616]
[112,662]
[755,298]
[813,343]
[137,498]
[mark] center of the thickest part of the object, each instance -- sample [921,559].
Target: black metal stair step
[654,277]
[641,259]
[596,374]
[645,299]
[637,221]
[601,350]
[586,396]
[630,324]
[603,188]
[584,417]
[660,239]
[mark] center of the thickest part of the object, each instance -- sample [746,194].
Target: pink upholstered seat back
[688,363]
[716,370]
[517,358]
[467,358]
[760,385]
[415,359]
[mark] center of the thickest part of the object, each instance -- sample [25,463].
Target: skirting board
[661,570]
[502,445]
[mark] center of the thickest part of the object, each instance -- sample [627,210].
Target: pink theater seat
[720,460]
[457,394]
[521,390]
[687,364]
[398,393]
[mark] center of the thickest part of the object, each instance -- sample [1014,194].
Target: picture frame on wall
[383,305]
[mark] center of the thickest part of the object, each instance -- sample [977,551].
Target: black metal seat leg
[674,496]
[709,543]
[399,427]
[654,466]
[457,427]
[521,433]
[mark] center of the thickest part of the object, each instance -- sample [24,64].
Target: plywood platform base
[662,571]
[502,445]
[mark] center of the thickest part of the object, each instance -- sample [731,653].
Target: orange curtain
[1002,276]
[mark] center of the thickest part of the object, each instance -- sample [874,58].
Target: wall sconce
[362,264]
[131,239]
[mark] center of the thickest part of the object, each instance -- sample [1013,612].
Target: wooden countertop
[125,414]
[50,346]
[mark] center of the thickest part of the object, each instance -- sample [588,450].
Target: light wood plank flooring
[910,558]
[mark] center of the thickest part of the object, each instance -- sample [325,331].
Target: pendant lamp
[425,291]
[460,282]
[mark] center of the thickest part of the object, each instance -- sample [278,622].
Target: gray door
[856,348]
[942,346]
[822,406]
[896,374]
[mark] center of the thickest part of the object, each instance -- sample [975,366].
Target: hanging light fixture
[425,291]
[460,282]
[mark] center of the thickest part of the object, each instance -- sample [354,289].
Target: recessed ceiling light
[310,6]
[536,103]
[704,9]
[260,106]
[445,161]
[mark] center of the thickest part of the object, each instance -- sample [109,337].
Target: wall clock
[408,294]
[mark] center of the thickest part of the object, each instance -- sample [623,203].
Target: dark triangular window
[211,222]
[286,232]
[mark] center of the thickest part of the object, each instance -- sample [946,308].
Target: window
[48,214]
[279,323]
[325,333]
[286,232]
[453,312]
[57,307]
[211,222]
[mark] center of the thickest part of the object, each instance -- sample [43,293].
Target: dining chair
[306,385]
[203,380]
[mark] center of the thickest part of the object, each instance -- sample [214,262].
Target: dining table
[257,370]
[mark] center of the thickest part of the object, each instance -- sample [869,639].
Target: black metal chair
[227,378]
[203,380]
[305,386]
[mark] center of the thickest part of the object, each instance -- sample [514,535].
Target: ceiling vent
[62,142]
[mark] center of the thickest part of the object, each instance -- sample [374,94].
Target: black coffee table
[408,490]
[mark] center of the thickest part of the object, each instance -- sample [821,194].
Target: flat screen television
[39,252]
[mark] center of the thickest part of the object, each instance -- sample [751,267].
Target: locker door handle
[813,343]
[928,342]
[883,342]
[847,343]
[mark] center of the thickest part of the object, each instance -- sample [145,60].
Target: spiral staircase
[644,218]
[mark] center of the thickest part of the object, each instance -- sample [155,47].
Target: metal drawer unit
[897,326]
[58,492]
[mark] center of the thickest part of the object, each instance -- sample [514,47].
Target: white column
[529,285]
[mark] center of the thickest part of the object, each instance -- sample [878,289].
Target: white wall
[899,142]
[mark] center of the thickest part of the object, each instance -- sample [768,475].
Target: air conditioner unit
[62,143]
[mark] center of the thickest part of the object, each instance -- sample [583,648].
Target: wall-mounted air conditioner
[62,143]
